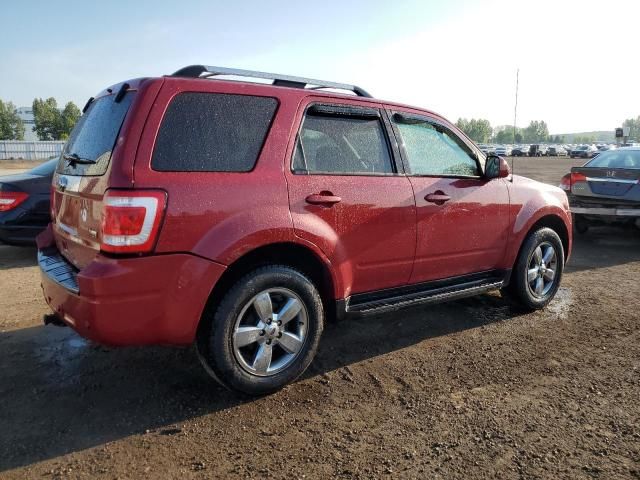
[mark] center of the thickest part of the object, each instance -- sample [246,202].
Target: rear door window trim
[342,110]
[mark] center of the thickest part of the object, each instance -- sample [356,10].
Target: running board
[427,293]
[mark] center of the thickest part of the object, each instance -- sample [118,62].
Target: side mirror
[496,167]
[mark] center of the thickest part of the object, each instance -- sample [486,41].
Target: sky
[578,60]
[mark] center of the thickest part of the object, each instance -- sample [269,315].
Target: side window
[212,132]
[433,150]
[342,144]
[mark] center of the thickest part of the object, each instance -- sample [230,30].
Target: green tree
[506,135]
[11,127]
[47,118]
[634,127]
[479,130]
[68,119]
[51,123]
[536,132]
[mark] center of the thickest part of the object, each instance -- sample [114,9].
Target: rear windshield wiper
[75,158]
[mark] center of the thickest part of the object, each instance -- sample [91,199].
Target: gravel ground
[470,389]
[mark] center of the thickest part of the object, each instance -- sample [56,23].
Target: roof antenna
[515,117]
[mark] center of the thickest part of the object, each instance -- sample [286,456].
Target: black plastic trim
[393,152]
[121,93]
[427,292]
[86,105]
[331,110]
[58,269]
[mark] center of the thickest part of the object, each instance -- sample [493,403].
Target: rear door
[82,176]
[462,217]
[348,196]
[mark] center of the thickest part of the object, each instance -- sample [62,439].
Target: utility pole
[515,113]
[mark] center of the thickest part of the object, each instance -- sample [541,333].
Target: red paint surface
[383,233]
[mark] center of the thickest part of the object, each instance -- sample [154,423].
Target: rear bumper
[607,211]
[130,301]
[19,235]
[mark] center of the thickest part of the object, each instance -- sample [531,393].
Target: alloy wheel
[270,331]
[541,274]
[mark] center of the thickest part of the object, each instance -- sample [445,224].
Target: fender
[530,202]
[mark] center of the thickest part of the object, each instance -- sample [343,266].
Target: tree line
[480,131]
[634,128]
[51,123]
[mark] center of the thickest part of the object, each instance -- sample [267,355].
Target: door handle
[323,198]
[438,197]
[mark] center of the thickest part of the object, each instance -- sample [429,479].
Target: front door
[462,217]
[347,197]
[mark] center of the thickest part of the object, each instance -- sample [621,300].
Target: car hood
[529,183]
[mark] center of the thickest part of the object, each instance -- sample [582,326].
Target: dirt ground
[9,167]
[470,389]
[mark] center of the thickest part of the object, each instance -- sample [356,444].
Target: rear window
[94,135]
[616,159]
[213,132]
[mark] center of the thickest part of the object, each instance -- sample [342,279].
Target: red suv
[241,216]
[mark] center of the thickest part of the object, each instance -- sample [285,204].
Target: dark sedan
[606,189]
[24,204]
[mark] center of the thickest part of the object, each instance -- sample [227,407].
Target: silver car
[606,189]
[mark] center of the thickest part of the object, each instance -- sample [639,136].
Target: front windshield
[616,159]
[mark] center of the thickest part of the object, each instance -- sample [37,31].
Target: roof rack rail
[197,71]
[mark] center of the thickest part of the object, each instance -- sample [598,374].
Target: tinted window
[617,159]
[213,132]
[95,134]
[342,144]
[433,150]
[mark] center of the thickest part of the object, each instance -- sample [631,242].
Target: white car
[503,150]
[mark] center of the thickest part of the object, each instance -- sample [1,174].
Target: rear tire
[264,333]
[538,270]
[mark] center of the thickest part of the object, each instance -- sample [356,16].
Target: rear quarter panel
[221,215]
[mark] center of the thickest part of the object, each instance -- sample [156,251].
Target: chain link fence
[40,150]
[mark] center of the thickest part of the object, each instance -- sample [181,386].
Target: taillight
[577,177]
[10,200]
[571,179]
[131,220]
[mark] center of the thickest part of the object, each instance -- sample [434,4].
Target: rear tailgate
[607,183]
[79,186]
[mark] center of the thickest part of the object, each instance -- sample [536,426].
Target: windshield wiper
[75,158]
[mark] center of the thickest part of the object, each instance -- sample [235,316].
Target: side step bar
[427,293]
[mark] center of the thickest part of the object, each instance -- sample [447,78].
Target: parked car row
[543,150]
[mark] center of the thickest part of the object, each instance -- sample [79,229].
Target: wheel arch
[555,223]
[294,255]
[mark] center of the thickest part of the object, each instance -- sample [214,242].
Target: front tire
[264,333]
[538,270]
